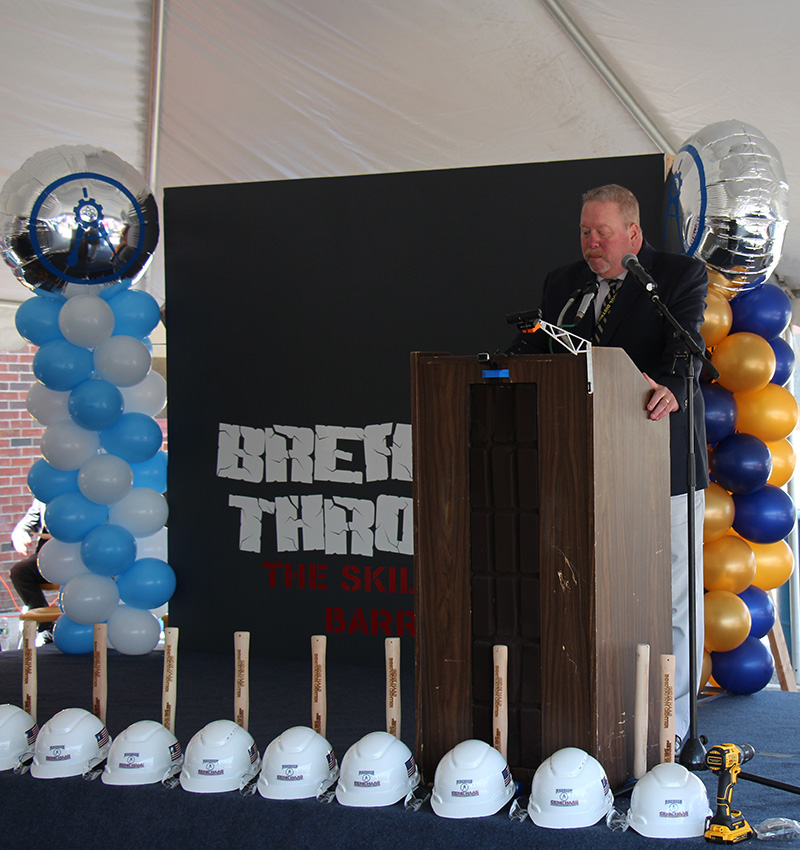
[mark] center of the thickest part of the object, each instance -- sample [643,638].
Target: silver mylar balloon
[77,214]
[730,198]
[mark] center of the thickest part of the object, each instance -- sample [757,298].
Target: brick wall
[20,438]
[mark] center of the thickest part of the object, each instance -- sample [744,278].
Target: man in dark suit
[623,316]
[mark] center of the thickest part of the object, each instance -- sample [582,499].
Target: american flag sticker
[331,760]
[253,753]
[175,751]
[32,734]
[102,737]
[411,767]
[506,775]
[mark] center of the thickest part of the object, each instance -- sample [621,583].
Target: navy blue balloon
[135,437]
[784,361]
[152,473]
[95,404]
[108,549]
[765,310]
[37,320]
[766,516]
[71,516]
[46,482]
[762,611]
[741,463]
[744,670]
[720,413]
[148,584]
[73,638]
[61,366]
[136,313]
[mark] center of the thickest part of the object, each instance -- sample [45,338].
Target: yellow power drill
[726,825]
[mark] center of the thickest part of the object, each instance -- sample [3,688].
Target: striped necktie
[602,319]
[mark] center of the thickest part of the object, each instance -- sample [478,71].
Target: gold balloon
[719,512]
[784,460]
[705,673]
[769,413]
[727,620]
[745,361]
[727,288]
[774,564]
[718,318]
[728,564]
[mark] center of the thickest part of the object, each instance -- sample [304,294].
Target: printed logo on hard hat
[464,789]
[32,734]
[675,809]
[131,762]
[564,798]
[211,768]
[175,751]
[367,779]
[290,773]
[57,753]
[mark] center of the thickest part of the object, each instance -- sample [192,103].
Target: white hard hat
[299,763]
[18,731]
[72,742]
[378,770]
[569,789]
[220,757]
[669,802]
[144,753]
[471,781]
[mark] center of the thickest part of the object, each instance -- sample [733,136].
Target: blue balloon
[108,549]
[765,516]
[109,291]
[95,404]
[762,611]
[73,638]
[152,473]
[135,437]
[743,670]
[720,413]
[136,313]
[765,310]
[61,366]
[71,516]
[741,463]
[46,482]
[37,320]
[784,361]
[148,584]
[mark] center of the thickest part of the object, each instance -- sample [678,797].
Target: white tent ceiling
[250,90]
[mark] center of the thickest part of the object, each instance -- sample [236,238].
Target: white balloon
[86,320]
[133,631]
[90,598]
[105,479]
[154,546]
[67,446]
[59,562]
[143,512]
[122,360]
[148,396]
[47,406]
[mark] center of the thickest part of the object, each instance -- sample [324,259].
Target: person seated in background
[25,575]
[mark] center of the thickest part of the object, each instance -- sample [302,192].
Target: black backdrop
[294,304]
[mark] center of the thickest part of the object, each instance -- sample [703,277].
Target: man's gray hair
[622,197]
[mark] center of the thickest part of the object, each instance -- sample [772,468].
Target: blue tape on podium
[496,373]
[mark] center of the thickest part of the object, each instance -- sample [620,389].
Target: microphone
[632,264]
[589,293]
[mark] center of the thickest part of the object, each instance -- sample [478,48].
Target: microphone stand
[692,754]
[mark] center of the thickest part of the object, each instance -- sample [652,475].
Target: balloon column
[732,198]
[78,225]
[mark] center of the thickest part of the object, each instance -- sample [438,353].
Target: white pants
[680,602]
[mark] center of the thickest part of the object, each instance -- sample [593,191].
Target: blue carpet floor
[67,813]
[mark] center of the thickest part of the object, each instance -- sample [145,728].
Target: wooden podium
[541,505]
